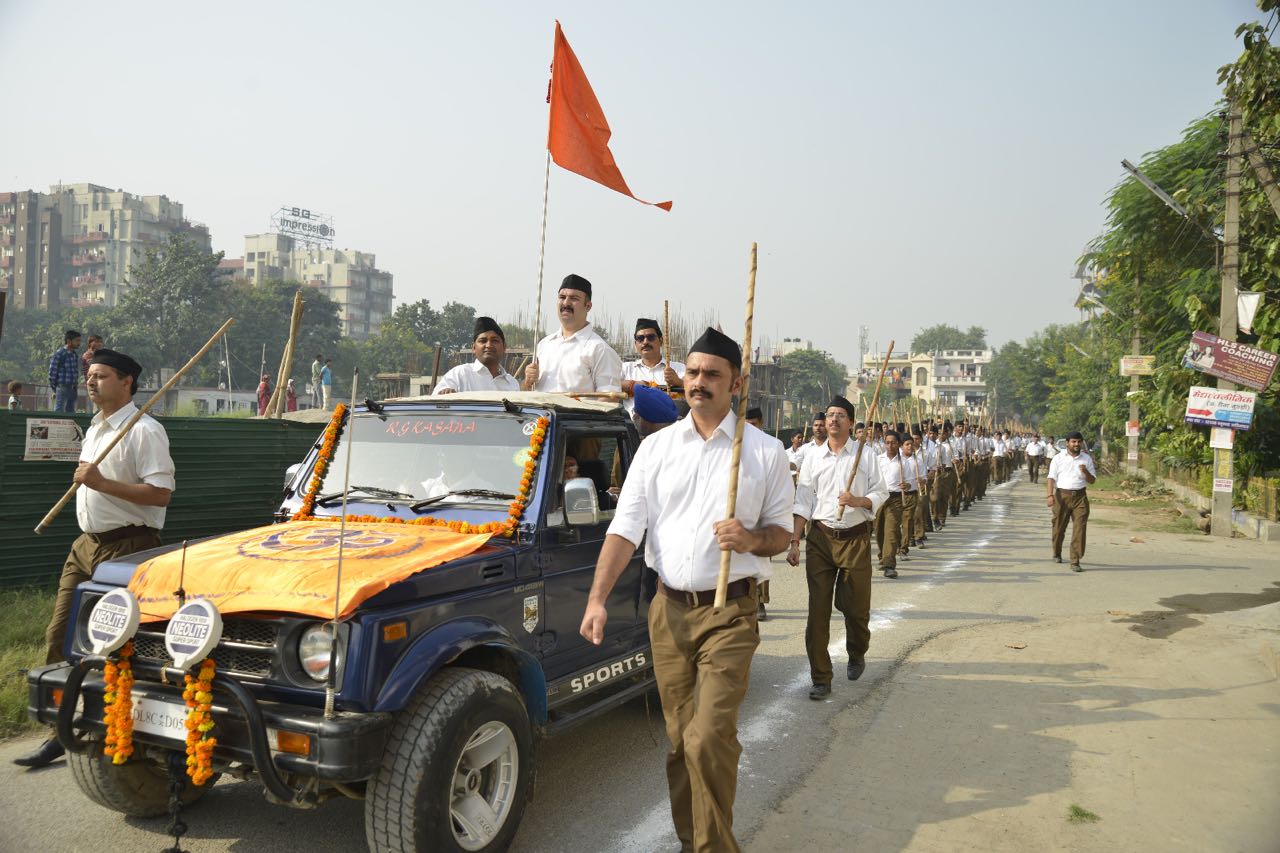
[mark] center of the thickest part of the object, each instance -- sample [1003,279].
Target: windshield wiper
[479,493]
[376,491]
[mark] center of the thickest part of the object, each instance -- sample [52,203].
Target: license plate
[158,717]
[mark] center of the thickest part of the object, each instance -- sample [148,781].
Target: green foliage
[262,313]
[27,613]
[813,377]
[943,336]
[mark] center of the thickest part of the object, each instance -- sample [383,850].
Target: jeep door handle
[495,570]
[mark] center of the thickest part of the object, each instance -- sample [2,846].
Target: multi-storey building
[77,243]
[952,379]
[350,278]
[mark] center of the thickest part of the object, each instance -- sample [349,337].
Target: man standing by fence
[64,372]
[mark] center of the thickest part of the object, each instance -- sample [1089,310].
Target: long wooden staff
[137,416]
[666,330]
[278,404]
[871,411]
[722,579]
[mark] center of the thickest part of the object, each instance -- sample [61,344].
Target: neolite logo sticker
[113,620]
[193,633]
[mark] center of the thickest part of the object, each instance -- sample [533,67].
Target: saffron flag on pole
[577,132]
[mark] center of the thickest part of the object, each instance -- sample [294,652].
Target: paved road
[602,786]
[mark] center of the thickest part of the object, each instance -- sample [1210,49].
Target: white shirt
[638,371]
[1050,450]
[677,488]
[944,453]
[892,472]
[1035,448]
[999,448]
[581,361]
[822,479]
[476,377]
[1064,470]
[795,455]
[914,469]
[142,456]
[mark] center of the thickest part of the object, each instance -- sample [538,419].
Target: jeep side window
[595,456]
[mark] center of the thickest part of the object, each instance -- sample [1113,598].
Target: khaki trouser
[888,527]
[924,506]
[762,592]
[86,553]
[1033,467]
[908,530]
[940,498]
[842,566]
[1070,506]
[702,661]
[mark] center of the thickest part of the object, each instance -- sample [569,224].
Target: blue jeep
[444,680]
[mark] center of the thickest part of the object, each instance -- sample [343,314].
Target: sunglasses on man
[646,337]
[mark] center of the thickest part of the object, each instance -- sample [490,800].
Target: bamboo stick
[137,416]
[875,401]
[276,407]
[722,579]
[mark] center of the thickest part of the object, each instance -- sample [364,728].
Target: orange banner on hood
[293,567]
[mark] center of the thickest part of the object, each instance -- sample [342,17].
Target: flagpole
[542,253]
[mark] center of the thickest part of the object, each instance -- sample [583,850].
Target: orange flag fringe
[291,567]
[577,133]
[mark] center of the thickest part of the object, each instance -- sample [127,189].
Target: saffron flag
[293,567]
[577,133]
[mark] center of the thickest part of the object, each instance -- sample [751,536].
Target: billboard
[1234,362]
[305,225]
[1137,365]
[1214,407]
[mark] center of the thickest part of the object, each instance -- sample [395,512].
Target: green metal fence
[230,475]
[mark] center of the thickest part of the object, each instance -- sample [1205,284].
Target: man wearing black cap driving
[674,501]
[486,373]
[120,505]
[574,358]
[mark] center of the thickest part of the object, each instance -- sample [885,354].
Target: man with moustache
[120,503]
[819,439]
[838,550]
[1069,474]
[673,500]
[650,367]
[486,373]
[574,359]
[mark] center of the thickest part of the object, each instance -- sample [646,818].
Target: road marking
[655,830]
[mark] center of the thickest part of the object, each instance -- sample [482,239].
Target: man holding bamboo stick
[673,500]
[838,553]
[574,359]
[120,503]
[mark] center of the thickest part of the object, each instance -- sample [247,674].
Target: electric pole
[1223,473]
[1131,462]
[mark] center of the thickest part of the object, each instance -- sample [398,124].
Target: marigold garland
[198,694]
[328,443]
[498,528]
[117,702]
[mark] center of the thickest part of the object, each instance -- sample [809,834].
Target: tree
[262,313]
[944,336]
[812,377]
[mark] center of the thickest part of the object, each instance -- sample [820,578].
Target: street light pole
[1223,472]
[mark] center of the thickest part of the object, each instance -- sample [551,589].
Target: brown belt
[106,537]
[841,534]
[1072,491]
[706,597]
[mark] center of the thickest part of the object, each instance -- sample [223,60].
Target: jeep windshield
[431,459]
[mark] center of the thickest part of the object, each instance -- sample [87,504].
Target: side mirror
[581,506]
[291,472]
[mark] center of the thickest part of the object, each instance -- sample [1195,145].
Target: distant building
[951,378]
[75,244]
[352,279]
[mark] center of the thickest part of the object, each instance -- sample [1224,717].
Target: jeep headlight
[314,649]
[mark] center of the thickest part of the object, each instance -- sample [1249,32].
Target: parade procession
[757,519]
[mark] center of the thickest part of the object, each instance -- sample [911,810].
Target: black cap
[573,281]
[487,324]
[838,402]
[819,416]
[720,344]
[646,323]
[755,413]
[118,360]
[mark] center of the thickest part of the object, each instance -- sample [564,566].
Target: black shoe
[44,755]
[891,573]
[820,691]
[855,668]
[1057,558]
[761,614]
[1075,567]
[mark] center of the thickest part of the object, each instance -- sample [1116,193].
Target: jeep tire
[457,769]
[139,787]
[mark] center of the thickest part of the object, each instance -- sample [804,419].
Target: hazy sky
[899,164]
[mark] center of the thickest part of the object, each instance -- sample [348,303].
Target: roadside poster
[1214,407]
[1222,439]
[1234,362]
[52,440]
[1137,365]
[1131,429]
[1223,484]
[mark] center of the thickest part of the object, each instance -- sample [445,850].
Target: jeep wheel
[139,787]
[456,772]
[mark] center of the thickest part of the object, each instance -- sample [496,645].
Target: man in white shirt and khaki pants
[1069,474]
[673,499]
